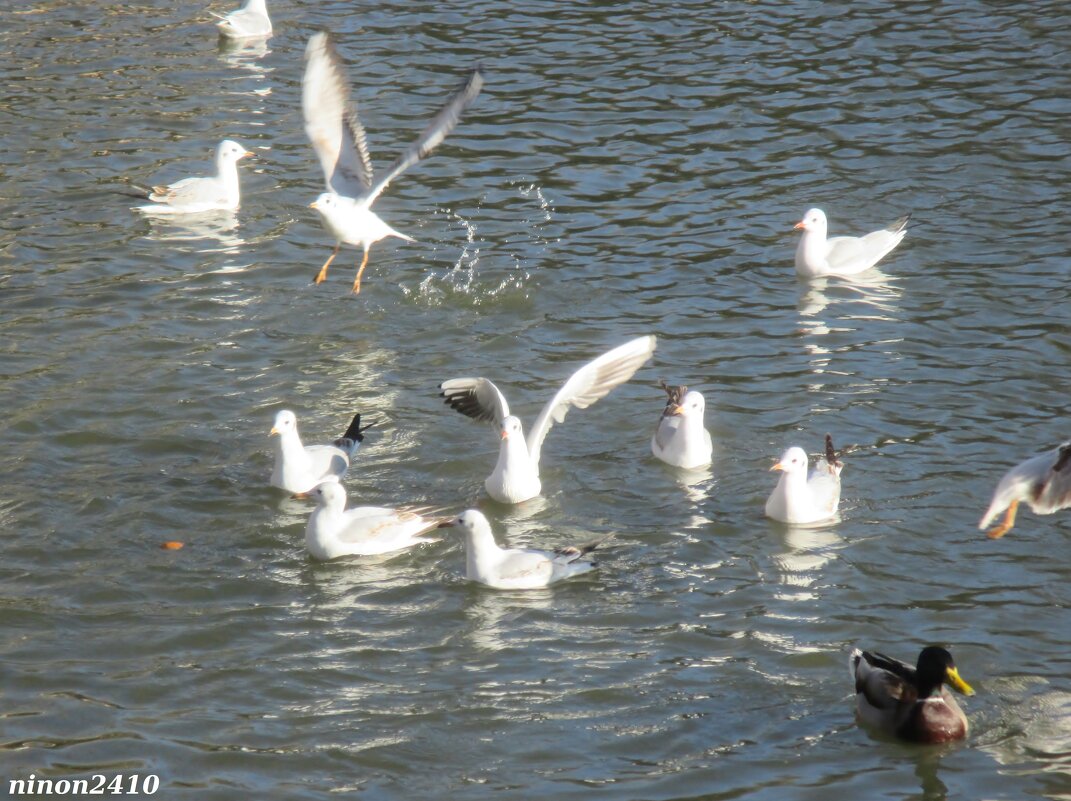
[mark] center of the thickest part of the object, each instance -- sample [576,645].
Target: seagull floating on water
[516,475]
[338,138]
[247,22]
[910,702]
[211,193]
[1043,483]
[680,439]
[842,255]
[801,499]
[516,568]
[300,468]
[334,531]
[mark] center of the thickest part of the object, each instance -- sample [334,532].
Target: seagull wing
[438,129]
[331,121]
[477,398]
[1057,492]
[591,382]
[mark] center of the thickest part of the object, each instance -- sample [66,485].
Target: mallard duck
[1042,482]
[910,702]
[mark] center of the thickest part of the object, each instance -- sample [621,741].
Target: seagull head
[285,421]
[813,220]
[468,521]
[691,405]
[229,152]
[793,461]
[511,427]
[329,493]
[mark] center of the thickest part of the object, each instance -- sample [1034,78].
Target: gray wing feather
[331,121]
[438,129]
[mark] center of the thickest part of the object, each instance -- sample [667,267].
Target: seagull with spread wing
[516,475]
[338,138]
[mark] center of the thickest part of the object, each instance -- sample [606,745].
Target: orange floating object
[172,545]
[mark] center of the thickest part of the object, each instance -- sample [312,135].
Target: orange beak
[273,431]
[676,410]
[800,224]
[777,466]
[505,434]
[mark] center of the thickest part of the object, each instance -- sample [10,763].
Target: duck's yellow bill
[957,683]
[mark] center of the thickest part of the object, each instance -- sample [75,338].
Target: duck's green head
[935,667]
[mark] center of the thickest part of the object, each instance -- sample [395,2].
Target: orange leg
[1004,527]
[320,276]
[357,280]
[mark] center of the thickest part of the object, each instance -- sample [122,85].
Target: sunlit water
[629,168]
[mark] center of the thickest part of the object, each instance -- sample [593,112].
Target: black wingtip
[1063,458]
[900,223]
[831,453]
[355,433]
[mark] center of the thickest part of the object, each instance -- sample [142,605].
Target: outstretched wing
[331,121]
[438,129]
[477,398]
[591,382]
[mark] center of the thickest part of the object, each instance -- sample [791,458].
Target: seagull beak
[447,524]
[505,434]
[800,224]
[777,466]
[248,153]
[273,431]
[677,410]
[959,684]
[314,205]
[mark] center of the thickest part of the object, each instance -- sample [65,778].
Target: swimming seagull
[802,499]
[338,138]
[299,468]
[680,439]
[516,475]
[1042,482]
[194,195]
[334,531]
[516,568]
[842,255]
[247,22]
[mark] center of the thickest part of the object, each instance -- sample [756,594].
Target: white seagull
[334,531]
[211,193]
[1043,483]
[516,475]
[516,568]
[842,255]
[300,468]
[680,439]
[247,22]
[338,138]
[801,499]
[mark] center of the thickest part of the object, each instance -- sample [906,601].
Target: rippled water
[630,168]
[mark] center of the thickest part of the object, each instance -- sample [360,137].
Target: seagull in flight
[1042,482]
[516,475]
[338,138]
